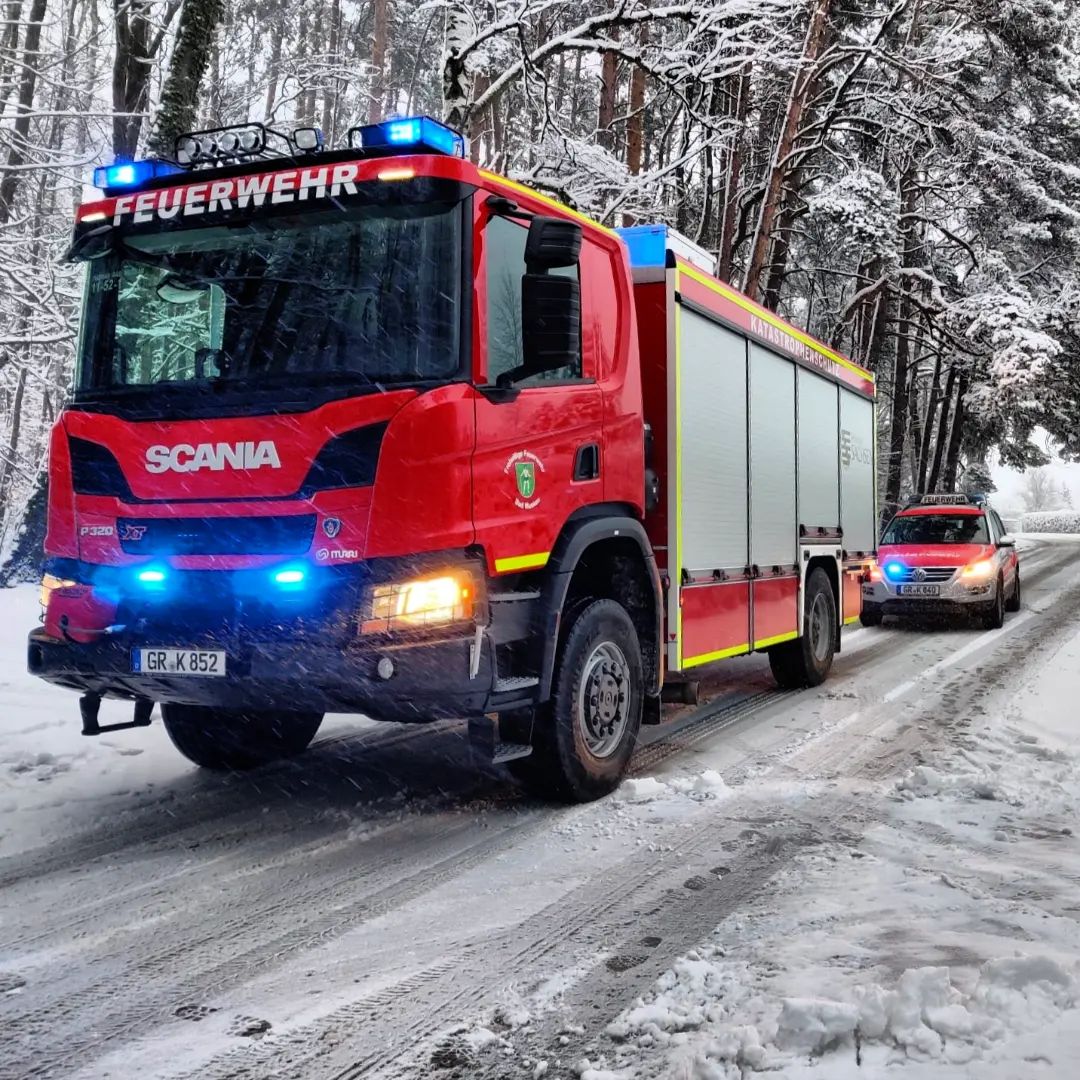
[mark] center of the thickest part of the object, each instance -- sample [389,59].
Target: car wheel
[871,615]
[237,738]
[1016,598]
[995,613]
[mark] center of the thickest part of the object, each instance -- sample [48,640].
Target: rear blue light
[151,577]
[416,134]
[124,174]
[289,577]
[894,571]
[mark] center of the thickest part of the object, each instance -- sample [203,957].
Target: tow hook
[89,704]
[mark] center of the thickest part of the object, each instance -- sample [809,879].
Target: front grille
[285,535]
[925,575]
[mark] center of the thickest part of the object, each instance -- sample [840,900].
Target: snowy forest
[901,177]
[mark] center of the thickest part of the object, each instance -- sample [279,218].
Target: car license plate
[920,590]
[204,662]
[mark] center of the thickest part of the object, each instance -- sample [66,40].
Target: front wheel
[806,660]
[237,738]
[584,737]
[1015,599]
[994,618]
[871,615]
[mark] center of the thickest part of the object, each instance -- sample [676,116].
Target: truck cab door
[538,454]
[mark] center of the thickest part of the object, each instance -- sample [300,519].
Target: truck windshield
[937,529]
[361,297]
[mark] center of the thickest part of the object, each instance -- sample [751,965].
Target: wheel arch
[603,553]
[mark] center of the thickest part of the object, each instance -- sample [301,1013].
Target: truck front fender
[602,556]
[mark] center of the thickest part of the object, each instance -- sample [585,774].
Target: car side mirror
[1007,542]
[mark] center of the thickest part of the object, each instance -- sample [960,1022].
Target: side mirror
[550,324]
[552,243]
[1007,542]
[550,303]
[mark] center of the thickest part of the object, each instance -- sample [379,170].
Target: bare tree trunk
[605,115]
[378,60]
[942,431]
[195,38]
[956,436]
[332,90]
[9,185]
[635,124]
[774,184]
[739,109]
[928,426]
[456,80]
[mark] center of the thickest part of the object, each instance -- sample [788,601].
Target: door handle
[587,462]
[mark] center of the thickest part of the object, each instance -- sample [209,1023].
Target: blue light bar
[126,174]
[412,134]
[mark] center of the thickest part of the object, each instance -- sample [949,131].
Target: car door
[1008,558]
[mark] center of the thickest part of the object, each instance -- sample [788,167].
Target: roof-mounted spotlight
[217,145]
[308,140]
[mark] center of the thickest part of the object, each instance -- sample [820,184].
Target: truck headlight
[423,602]
[978,571]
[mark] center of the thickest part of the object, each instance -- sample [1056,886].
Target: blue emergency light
[127,174]
[894,571]
[411,134]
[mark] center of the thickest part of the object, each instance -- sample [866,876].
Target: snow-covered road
[882,871]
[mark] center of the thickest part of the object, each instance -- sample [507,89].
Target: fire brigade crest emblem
[525,473]
[331,526]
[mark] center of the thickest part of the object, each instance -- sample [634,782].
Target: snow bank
[708,785]
[1052,521]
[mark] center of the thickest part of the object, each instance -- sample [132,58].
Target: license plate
[920,590]
[203,662]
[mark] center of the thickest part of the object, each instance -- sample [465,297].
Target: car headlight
[979,570]
[50,583]
[424,602]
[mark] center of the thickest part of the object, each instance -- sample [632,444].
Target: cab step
[515,683]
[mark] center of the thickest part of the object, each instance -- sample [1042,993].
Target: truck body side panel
[774,538]
[715,621]
[776,610]
[713,419]
[819,453]
[857,509]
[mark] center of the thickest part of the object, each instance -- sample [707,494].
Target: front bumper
[306,653]
[953,596]
[431,680]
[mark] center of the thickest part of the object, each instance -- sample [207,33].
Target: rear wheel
[994,618]
[238,738]
[806,660]
[1014,601]
[871,615]
[583,738]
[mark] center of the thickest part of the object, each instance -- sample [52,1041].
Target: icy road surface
[879,877]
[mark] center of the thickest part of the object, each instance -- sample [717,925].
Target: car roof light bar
[129,174]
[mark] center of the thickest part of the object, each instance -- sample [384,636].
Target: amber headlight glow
[979,570]
[50,583]
[411,605]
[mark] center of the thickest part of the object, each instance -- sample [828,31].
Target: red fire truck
[374,430]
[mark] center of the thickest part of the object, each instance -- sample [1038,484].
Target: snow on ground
[51,777]
[945,945]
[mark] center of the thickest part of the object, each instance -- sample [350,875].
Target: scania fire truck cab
[944,555]
[362,430]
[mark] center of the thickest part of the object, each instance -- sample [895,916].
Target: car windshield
[368,296]
[937,529]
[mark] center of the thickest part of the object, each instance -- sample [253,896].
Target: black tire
[1014,601]
[806,660]
[582,748]
[994,617]
[236,738]
[871,615]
